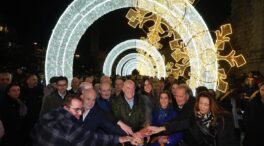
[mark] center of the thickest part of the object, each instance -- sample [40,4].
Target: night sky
[33,21]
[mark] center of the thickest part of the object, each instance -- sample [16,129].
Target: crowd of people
[132,110]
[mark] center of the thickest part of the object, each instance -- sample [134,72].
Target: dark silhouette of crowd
[131,110]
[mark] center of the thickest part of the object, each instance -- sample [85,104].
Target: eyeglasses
[78,110]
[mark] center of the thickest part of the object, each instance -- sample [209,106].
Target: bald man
[94,118]
[129,107]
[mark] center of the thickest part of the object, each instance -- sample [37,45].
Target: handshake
[137,138]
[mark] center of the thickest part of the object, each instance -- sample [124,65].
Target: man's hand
[138,135]
[154,129]
[142,133]
[124,139]
[136,141]
[125,128]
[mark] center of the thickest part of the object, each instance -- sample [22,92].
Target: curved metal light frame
[135,57]
[132,44]
[81,14]
[130,66]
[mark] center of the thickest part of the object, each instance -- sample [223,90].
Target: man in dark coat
[31,95]
[254,120]
[55,99]
[94,118]
[129,107]
[64,127]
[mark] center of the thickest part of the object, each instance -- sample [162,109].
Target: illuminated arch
[132,44]
[129,68]
[132,65]
[140,59]
[81,14]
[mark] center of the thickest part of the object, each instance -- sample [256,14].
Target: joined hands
[138,137]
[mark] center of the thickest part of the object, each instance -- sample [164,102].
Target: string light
[144,65]
[180,54]
[180,15]
[140,45]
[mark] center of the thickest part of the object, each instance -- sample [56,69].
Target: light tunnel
[132,64]
[180,15]
[141,60]
[132,44]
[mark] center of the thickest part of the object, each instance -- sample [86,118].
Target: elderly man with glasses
[63,127]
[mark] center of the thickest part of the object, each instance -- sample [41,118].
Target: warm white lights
[135,44]
[181,16]
[143,65]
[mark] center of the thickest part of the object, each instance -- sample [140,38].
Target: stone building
[247,19]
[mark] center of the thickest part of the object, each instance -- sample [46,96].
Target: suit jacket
[181,122]
[51,102]
[96,121]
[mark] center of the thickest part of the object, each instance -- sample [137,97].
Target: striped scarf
[205,119]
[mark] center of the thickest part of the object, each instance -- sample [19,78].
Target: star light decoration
[222,38]
[158,29]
